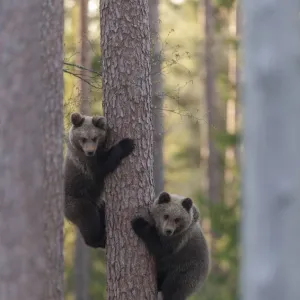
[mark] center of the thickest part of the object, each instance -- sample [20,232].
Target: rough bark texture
[23,260]
[52,58]
[215,158]
[125,44]
[157,97]
[271,223]
[82,252]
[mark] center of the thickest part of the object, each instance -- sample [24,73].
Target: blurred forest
[199,73]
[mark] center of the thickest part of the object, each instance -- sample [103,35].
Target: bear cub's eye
[94,140]
[177,220]
[83,140]
[166,217]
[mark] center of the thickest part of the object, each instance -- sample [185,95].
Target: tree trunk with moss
[125,45]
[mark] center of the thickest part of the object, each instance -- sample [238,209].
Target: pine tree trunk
[31,177]
[84,57]
[157,98]
[125,45]
[52,41]
[82,252]
[271,223]
[215,158]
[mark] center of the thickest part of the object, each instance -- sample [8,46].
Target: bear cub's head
[172,214]
[87,133]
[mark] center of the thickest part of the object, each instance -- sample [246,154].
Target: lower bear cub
[87,164]
[172,234]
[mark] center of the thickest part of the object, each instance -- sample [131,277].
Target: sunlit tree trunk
[125,45]
[157,97]
[271,210]
[82,252]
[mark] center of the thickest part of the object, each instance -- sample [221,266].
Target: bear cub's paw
[139,224]
[127,145]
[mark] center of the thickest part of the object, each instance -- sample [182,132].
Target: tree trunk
[84,57]
[157,98]
[30,249]
[271,223]
[52,57]
[125,45]
[82,252]
[215,172]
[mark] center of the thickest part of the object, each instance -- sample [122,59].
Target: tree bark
[215,158]
[157,97]
[125,45]
[82,252]
[271,223]
[29,246]
[52,58]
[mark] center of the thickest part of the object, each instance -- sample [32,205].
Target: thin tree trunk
[125,44]
[271,223]
[52,58]
[237,83]
[157,97]
[82,252]
[215,175]
[84,57]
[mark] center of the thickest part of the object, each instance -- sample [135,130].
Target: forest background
[198,80]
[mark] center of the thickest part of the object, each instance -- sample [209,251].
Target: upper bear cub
[87,164]
[172,234]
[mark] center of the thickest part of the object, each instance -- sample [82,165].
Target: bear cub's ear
[77,119]
[187,203]
[164,197]
[99,122]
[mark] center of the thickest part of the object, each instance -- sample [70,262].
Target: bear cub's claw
[127,145]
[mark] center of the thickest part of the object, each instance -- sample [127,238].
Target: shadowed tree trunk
[84,57]
[31,177]
[271,223]
[215,157]
[157,97]
[82,252]
[125,44]
[52,41]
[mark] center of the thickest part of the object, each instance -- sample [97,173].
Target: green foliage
[224,3]
[225,139]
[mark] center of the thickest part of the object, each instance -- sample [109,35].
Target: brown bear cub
[171,232]
[87,164]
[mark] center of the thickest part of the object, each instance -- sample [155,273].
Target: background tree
[270,242]
[125,45]
[52,123]
[82,252]
[157,97]
[214,175]
[31,152]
